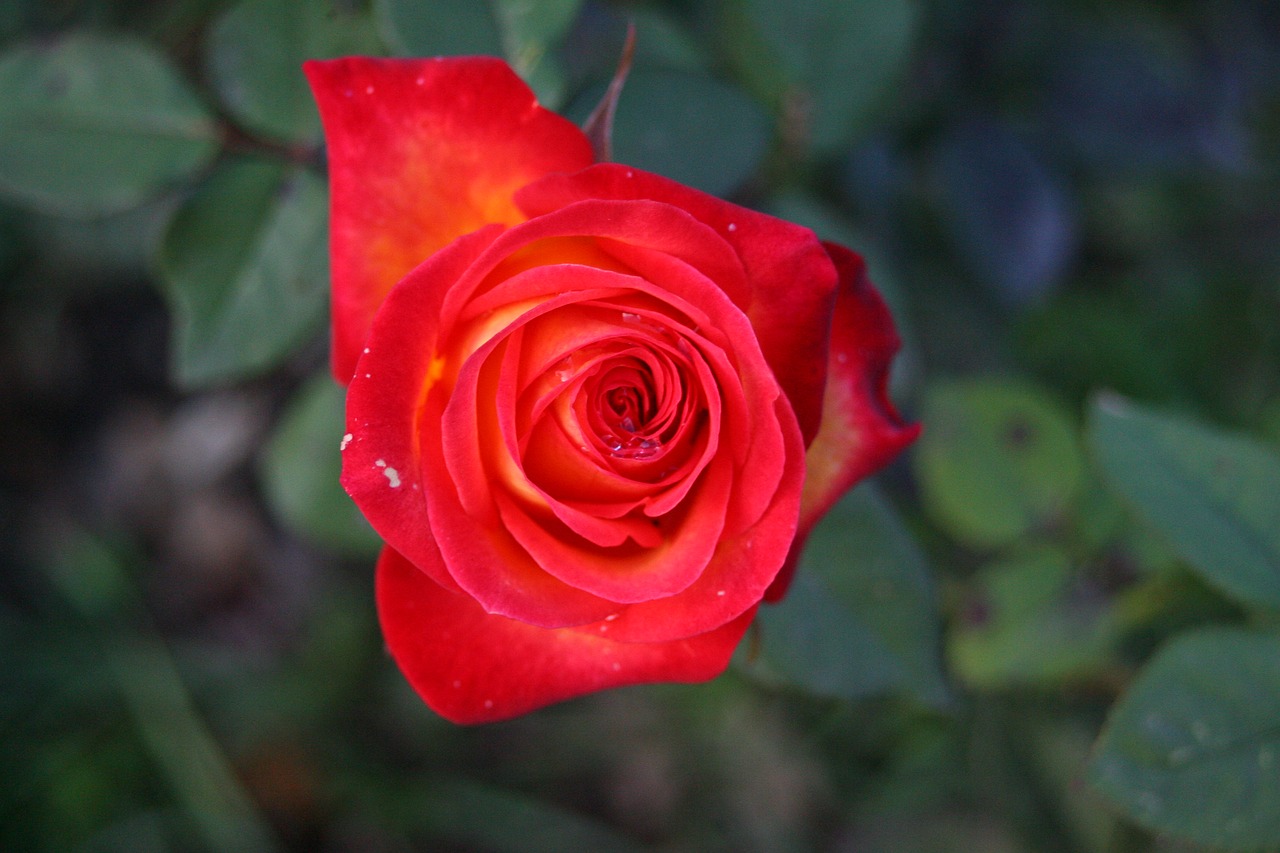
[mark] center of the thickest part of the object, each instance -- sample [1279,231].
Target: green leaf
[663,41]
[1029,622]
[301,467]
[688,127]
[860,625]
[999,460]
[254,55]
[85,253]
[438,27]
[1193,748]
[523,31]
[530,30]
[245,268]
[93,124]
[840,58]
[1214,496]
[535,24]
[812,641]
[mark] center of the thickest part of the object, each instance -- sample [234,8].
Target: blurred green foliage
[1054,626]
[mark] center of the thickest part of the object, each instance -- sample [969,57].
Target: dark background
[1061,200]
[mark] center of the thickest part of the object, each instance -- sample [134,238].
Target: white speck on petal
[346,439]
[611,617]
[366,350]
[420,81]
[393,477]
[733,226]
[381,463]
[368,375]
[604,628]
[720,592]
[368,90]
[630,174]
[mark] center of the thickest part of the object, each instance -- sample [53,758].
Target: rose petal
[421,152]
[415,406]
[861,430]
[632,574]
[743,567]
[381,464]
[792,283]
[472,667]
[579,234]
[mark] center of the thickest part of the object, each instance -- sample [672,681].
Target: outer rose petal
[421,152]
[792,281]
[861,431]
[472,667]
[385,476]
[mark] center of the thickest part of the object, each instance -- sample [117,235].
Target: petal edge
[422,151]
[861,431]
[473,667]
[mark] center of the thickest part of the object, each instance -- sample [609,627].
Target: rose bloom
[592,412]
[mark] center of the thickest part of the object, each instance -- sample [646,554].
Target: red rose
[580,395]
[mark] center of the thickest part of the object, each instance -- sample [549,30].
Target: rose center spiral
[626,412]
